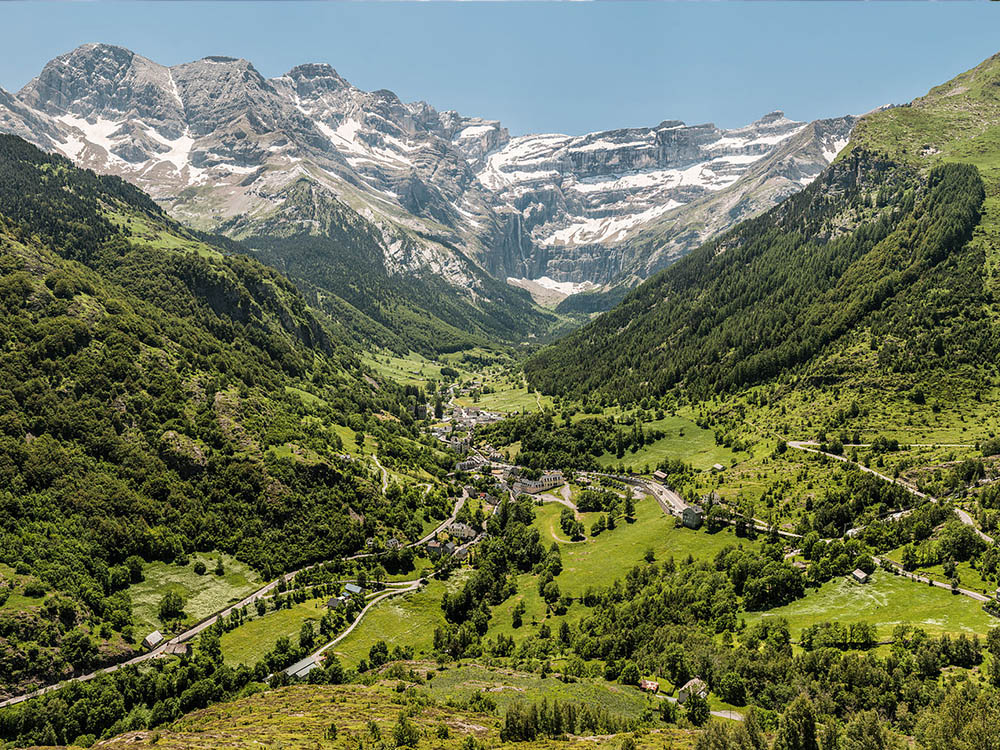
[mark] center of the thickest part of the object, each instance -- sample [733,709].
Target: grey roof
[353,588]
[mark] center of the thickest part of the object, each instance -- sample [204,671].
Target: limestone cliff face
[620,204]
[222,147]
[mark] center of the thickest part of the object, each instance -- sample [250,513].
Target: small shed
[694,686]
[660,476]
[352,588]
[718,467]
[153,640]
[335,603]
[649,686]
[860,576]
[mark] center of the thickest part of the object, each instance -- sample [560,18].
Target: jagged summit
[216,142]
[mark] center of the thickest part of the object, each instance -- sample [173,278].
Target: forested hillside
[157,398]
[335,255]
[896,244]
[868,244]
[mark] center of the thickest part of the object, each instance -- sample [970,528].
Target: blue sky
[564,67]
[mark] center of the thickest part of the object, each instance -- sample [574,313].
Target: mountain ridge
[216,143]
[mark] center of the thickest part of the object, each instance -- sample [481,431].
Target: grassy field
[969,577]
[248,643]
[298,718]
[886,602]
[600,561]
[509,394]
[414,369]
[203,594]
[684,440]
[406,620]
[507,686]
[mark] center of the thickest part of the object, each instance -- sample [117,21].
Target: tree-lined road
[810,446]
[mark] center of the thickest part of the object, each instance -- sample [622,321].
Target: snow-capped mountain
[585,200]
[448,196]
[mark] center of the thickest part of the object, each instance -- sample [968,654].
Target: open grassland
[248,643]
[505,393]
[886,602]
[507,686]
[203,594]
[299,717]
[968,577]
[148,232]
[406,620]
[599,561]
[414,369]
[684,440]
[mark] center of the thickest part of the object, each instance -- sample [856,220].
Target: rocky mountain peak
[575,209]
[771,117]
[104,82]
[316,73]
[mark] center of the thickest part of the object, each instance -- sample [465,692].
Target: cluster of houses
[471,416]
[462,533]
[350,590]
[473,462]
[460,443]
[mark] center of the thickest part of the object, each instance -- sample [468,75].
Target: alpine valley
[398,211]
[331,421]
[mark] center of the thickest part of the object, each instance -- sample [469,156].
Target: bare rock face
[222,147]
[588,200]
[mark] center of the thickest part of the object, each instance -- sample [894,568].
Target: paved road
[384,472]
[446,523]
[813,447]
[734,715]
[302,668]
[561,498]
[672,503]
[192,632]
[159,650]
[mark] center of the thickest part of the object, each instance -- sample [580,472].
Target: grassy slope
[684,440]
[407,620]
[600,561]
[203,594]
[298,717]
[249,643]
[886,602]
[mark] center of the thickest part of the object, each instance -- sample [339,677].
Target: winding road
[303,667]
[195,630]
[812,447]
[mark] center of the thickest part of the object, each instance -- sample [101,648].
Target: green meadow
[885,602]
[248,643]
[203,594]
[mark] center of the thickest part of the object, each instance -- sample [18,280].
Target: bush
[199,568]
[404,734]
